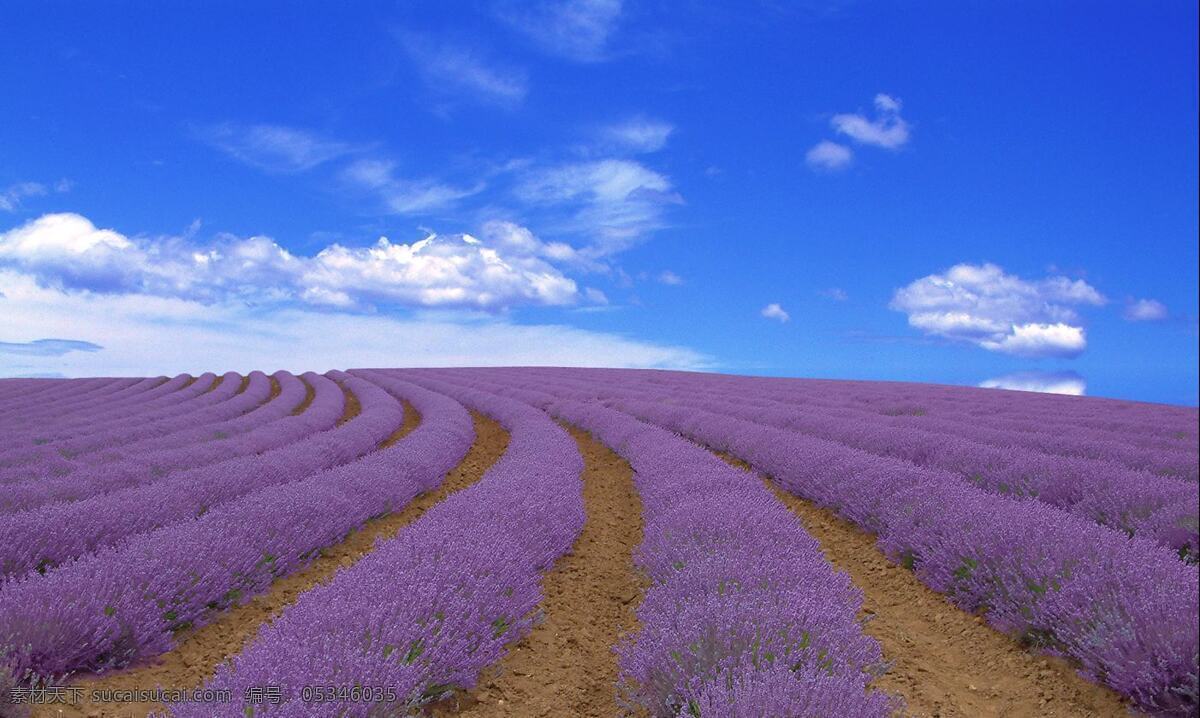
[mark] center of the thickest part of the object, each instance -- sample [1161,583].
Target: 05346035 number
[353,694]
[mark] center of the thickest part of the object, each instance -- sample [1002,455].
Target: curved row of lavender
[1121,607]
[431,607]
[49,399]
[105,519]
[744,616]
[139,462]
[1137,502]
[231,398]
[40,439]
[73,395]
[1172,455]
[166,394]
[124,604]
[1124,420]
[268,426]
[1133,422]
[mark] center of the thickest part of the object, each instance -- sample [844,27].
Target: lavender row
[124,604]
[131,400]
[227,400]
[1177,459]
[268,427]
[40,440]
[1121,607]
[428,609]
[65,395]
[52,394]
[1136,502]
[1122,419]
[744,616]
[825,396]
[105,519]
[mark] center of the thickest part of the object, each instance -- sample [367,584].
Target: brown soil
[199,652]
[309,394]
[241,387]
[276,388]
[411,420]
[353,406]
[215,384]
[944,662]
[566,665]
[188,382]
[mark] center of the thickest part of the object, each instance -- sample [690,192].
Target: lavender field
[544,541]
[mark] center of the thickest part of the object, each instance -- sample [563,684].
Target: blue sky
[963,193]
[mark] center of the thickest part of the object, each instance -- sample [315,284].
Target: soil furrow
[411,420]
[353,405]
[199,652]
[309,394]
[945,663]
[276,388]
[566,665]
[216,383]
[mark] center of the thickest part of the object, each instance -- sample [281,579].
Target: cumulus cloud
[274,148]
[1057,382]
[1145,310]
[575,29]
[638,134]
[1000,312]
[829,156]
[888,129]
[451,271]
[615,200]
[774,311]
[461,70]
[400,195]
[187,335]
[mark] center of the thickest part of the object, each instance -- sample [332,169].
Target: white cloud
[68,251]
[1058,382]
[1145,310]
[274,148]
[887,130]
[615,200]
[191,336]
[829,156]
[400,195]
[670,278]
[455,69]
[774,311]
[575,29]
[639,134]
[12,196]
[1000,312]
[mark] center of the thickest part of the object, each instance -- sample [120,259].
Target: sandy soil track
[945,663]
[199,652]
[566,665]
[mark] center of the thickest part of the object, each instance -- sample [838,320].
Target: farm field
[592,542]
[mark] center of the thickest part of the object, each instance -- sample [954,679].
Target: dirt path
[946,663]
[566,665]
[199,652]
